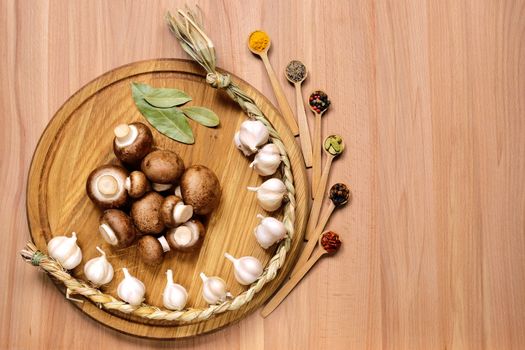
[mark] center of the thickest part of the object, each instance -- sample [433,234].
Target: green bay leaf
[169,121]
[202,115]
[162,97]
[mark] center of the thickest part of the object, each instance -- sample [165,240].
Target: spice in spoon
[339,194]
[296,71]
[330,242]
[334,145]
[319,101]
[259,41]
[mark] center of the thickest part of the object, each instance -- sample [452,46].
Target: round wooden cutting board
[79,138]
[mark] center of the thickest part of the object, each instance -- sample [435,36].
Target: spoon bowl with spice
[296,73]
[259,43]
[328,243]
[319,103]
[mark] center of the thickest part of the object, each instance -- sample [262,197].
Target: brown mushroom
[117,228]
[132,142]
[201,189]
[185,236]
[174,212]
[152,250]
[137,184]
[163,168]
[105,186]
[145,213]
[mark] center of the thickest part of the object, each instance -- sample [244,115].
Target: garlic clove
[174,296]
[98,270]
[267,160]
[269,231]
[253,134]
[270,194]
[245,150]
[247,269]
[65,250]
[213,289]
[131,289]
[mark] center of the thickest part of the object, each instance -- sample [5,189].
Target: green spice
[334,145]
[296,71]
[159,107]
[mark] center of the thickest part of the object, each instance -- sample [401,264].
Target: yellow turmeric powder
[259,41]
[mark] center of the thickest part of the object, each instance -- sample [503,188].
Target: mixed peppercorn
[319,101]
[339,194]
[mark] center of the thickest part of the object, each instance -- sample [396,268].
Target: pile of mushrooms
[152,198]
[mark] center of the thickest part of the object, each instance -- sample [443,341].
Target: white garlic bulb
[174,296]
[247,269]
[269,231]
[65,250]
[252,134]
[267,160]
[98,270]
[131,289]
[270,194]
[213,289]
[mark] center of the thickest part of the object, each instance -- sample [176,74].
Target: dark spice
[330,242]
[296,71]
[339,194]
[319,101]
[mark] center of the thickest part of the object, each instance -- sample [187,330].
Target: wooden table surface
[430,99]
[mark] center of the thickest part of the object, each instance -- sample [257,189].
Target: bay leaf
[169,121]
[163,97]
[202,115]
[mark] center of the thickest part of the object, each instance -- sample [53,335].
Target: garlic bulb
[131,289]
[267,160]
[270,194]
[174,296]
[247,269]
[213,289]
[252,134]
[98,270]
[65,250]
[269,231]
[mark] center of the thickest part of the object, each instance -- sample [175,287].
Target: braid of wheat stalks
[194,41]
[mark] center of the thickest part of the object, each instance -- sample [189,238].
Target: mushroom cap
[145,213]
[135,152]
[150,250]
[166,210]
[138,184]
[201,189]
[190,234]
[108,201]
[162,167]
[122,226]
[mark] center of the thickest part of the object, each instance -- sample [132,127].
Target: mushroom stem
[182,235]
[164,244]
[125,134]
[122,130]
[108,234]
[182,212]
[107,185]
[161,187]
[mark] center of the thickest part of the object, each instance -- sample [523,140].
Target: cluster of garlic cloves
[65,250]
[251,135]
[270,194]
[247,269]
[174,296]
[98,270]
[131,289]
[214,289]
[267,160]
[269,231]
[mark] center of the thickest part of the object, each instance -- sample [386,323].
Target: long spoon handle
[321,187]
[305,254]
[321,224]
[316,154]
[288,286]
[306,142]
[279,94]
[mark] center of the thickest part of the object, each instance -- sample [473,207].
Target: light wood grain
[428,96]
[79,138]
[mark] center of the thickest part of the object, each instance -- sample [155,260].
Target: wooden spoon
[319,104]
[277,89]
[297,79]
[339,196]
[333,146]
[328,243]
